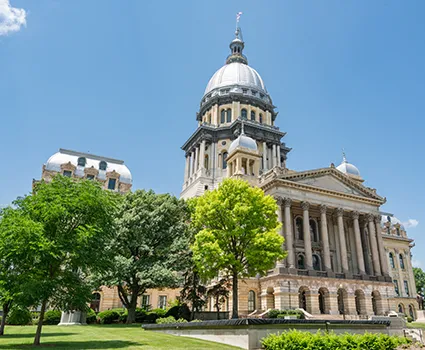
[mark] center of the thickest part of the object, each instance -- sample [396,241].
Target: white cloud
[11,18]
[411,223]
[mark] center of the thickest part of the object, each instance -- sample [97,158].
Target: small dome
[348,168]
[243,141]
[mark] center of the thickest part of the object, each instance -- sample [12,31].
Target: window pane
[162,302]
[229,115]
[111,184]
[252,115]
[102,165]
[67,173]
[244,113]
[223,116]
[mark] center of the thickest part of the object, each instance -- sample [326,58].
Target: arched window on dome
[261,119]
[244,113]
[102,165]
[223,116]
[401,261]
[81,161]
[392,260]
[209,119]
[224,160]
[252,115]
[229,115]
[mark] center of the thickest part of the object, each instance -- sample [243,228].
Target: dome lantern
[236,49]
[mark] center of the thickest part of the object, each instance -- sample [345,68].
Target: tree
[75,222]
[239,235]
[193,290]
[419,279]
[219,292]
[150,242]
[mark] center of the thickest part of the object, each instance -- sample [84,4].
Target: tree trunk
[217,306]
[131,318]
[235,295]
[40,323]
[6,308]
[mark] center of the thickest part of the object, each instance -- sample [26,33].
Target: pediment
[329,182]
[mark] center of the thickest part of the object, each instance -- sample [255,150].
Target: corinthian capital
[355,215]
[279,200]
[369,217]
[305,205]
[287,202]
[377,219]
[323,209]
[339,212]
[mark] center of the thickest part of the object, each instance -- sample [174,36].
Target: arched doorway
[376,302]
[412,312]
[360,302]
[342,301]
[324,301]
[302,299]
[95,302]
[401,309]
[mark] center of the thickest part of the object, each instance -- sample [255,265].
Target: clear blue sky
[124,79]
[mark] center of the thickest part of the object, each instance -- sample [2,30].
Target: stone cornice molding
[68,166]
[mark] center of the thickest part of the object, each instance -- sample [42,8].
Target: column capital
[355,215]
[287,202]
[305,205]
[377,219]
[339,212]
[323,209]
[369,217]
[279,200]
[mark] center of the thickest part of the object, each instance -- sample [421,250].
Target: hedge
[19,316]
[170,319]
[294,340]
[275,313]
[110,316]
[91,317]
[52,317]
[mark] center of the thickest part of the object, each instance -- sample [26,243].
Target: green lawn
[416,325]
[101,337]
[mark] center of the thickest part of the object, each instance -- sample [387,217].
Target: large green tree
[149,247]
[239,235]
[419,279]
[74,223]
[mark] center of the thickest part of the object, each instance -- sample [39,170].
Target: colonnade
[271,156]
[195,160]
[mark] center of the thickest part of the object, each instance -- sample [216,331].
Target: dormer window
[102,165]
[82,161]
[67,173]
[112,184]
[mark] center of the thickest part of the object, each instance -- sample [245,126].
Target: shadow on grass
[32,335]
[99,344]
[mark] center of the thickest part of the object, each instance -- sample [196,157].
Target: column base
[292,271]
[388,279]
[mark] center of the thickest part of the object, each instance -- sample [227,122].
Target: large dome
[236,74]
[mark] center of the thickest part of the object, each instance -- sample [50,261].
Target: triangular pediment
[332,180]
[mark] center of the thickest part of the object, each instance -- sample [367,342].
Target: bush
[179,311]
[19,316]
[304,340]
[52,317]
[160,312]
[109,316]
[273,313]
[151,317]
[282,313]
[169,319]
[91,317]
[409,319]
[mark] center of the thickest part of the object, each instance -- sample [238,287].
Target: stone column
[341,235]
[325,239]
[307,237]
[374,246]
[187,168]
[382,254]
[202,155]
[278,156]
[312,301]
[264,157]
[192,157]
[279,202]
[358,239]
[289,234]
[274,155]
[195,167]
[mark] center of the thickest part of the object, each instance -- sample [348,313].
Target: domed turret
[349,169]
[243,141]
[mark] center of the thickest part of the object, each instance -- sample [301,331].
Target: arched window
[81,161]
[244,114]
[313,231]
[411,312]
[261,118]
[251,301]
[206,162]
[392,261]
[252,115]
[223,116]
[224,160]
[401,261]
[316,263]
[102,165]
[301,263]
[229,115]
[299,229]
[400,309]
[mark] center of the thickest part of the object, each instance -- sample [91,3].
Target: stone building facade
[344,257]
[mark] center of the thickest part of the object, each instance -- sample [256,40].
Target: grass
[416,325]
[101,337]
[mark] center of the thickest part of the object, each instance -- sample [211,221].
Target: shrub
[52,317]
[140,315]
[109,316]
[151,317]
[91,317]
[19,316]
[409,319]
[273,313]
[179,311]
[160,312]
[304,340]
[169,319]
[196,320]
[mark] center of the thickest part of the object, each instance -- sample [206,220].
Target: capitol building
[345,257]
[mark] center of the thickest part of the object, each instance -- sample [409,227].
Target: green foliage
[419,278]
[19,316]
[52,317]
[151,317]
[110,316]
[294,340]
[238,232]
[275,313]
[159,312]
[170,319]
[409,319]
[91,317]
[179,311]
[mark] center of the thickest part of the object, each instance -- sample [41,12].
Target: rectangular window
[111,184]
[67,173]
[146,301]
[90,177]
[162,302]
[396,287]
[406,288]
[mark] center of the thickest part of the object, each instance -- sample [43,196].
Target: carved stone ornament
[323,209]
[339,212]
[377,219]
[355,215]
[287,202]
[305,205]
[370,217]
[279,200]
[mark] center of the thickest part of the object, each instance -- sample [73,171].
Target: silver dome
[243,141]
[348,168]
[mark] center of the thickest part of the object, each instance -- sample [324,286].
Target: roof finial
[238,17]
[344,158]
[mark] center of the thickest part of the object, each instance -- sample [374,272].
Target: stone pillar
[196,164]
[192,158]
[289,234]
[267,300]
[202,155]
[332,300]
[307,237]
[382,254]
[325,239]
[278,156]
[374,246]
[187,168]
[274,155]
[343,245]
[312,301]
[279,202]
[264,157]
[358,239]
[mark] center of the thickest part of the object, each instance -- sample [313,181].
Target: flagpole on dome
[238,29]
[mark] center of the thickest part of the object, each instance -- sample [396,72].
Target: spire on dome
[237,45]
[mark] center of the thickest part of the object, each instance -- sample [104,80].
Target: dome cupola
[348,168]
[243,141]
